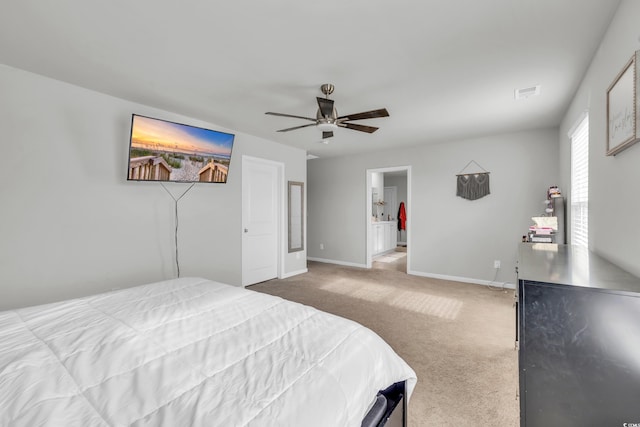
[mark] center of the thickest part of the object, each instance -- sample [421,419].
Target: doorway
[387,247]
[262,218]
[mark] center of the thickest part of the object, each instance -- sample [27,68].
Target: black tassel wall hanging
[474,185]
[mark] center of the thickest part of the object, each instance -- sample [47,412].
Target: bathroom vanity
[384,236]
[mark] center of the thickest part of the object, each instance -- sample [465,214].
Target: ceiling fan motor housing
[328,119]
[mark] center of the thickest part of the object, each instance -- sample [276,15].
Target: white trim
[331,261]
[577,123]
[368,251]
[294,273]
[369,206]
[505,285]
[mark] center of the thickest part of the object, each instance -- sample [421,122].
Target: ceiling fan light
[327,127]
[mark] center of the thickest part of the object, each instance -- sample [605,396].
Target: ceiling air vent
[527,92]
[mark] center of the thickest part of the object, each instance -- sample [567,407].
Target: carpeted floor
[458,337]
[396,260]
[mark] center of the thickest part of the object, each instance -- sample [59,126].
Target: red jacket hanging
[402,217]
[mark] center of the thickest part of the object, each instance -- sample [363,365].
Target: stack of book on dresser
[543,230]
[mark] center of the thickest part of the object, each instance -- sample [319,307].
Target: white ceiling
[444,69]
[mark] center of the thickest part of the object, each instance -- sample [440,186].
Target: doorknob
[246,230]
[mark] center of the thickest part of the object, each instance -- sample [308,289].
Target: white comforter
[189,352]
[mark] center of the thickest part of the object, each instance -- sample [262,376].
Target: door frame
[280,207]
[369,208]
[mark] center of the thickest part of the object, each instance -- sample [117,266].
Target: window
[580,184]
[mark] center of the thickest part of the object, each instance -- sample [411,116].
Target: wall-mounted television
[161,150]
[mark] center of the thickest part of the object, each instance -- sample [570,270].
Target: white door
[260,220]
[391,207]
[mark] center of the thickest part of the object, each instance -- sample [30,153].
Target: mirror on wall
[377,205]
[374,200]
[296,216]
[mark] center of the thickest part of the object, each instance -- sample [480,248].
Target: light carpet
[391,257]
[458,337]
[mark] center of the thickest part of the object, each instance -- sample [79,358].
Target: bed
[191,351]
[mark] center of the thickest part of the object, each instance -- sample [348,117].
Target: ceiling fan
[327,119]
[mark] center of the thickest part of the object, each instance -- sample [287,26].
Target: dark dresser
[579,339]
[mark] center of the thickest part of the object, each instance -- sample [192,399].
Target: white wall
[614,198]
[72,225]
[451,236]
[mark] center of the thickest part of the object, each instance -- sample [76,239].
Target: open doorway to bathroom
[387,219]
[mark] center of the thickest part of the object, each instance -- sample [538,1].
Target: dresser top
[572,265]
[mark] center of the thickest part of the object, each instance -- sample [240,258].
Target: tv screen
[160,150]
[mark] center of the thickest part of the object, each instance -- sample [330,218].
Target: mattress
[186,352]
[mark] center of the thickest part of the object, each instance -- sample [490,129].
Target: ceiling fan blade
[297,127]
[290,115]
[361,128]
[326,106]
[382,112]
[326,135]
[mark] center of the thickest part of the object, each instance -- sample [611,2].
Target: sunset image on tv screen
[167,151]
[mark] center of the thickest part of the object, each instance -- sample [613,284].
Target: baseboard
[388,251]
[331,261]
[505,285]
[294,273]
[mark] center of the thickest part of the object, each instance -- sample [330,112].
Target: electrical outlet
[322,246]
[496,263]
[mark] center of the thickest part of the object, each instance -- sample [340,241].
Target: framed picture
[623,108]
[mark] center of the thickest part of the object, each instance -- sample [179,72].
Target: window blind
[580,184]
